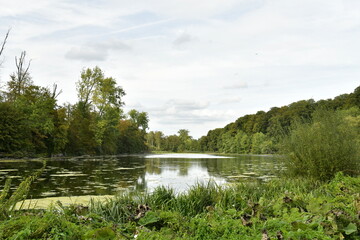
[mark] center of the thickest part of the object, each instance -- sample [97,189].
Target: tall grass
[294,208]
[322,147]
[200,198]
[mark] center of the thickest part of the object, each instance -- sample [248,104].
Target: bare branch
[21,72]
[55,94]
[20,79]
[4,42]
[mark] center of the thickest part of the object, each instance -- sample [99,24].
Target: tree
[81,135]
[172,143]
[20,79]
[85,87]
[150,139]
[130,139]
[140,119]
[159,138]
[97,113]
[185,140]
[14,134]
[260,144]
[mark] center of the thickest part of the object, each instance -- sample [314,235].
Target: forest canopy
[32,123]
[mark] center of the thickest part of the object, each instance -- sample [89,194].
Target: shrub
[323,146]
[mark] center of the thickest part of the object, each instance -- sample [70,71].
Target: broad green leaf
[351,228]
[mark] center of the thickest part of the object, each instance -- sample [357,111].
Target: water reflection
[108,175]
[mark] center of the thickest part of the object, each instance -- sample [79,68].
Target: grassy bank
[279,209]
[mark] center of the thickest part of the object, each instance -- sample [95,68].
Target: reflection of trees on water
[252,165]
[249,165]
[94,176]
[102,176]
[153,166]
[157,165]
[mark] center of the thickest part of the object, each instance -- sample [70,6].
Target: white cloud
[229,100]
[182,39]
[86,54]
[237,85]
[96,51]
[280,51]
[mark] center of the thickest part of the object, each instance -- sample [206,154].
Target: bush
[322,147]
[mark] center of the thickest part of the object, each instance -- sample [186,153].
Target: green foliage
[14,135]
[298,208]
[139,119]
[32,124]
[322,147]
[293,208]
[263,132]
[182,142]
[105,233]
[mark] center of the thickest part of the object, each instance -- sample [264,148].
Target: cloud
[186,105]
[197,117]
[112,44]
[86,53]
[96,51]
[183,112]
[230,100]
[238,85]
[70,33]
[182,39]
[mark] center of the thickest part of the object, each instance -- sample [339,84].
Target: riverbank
[279,209]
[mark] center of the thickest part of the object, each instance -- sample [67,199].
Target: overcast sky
[191,64]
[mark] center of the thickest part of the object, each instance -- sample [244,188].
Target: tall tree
[20,80]
[140,119]
[97,113]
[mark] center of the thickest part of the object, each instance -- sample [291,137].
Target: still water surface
[107,175]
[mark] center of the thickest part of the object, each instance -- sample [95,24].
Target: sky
[195,65]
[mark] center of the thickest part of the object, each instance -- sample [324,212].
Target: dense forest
[32,123]
[258,133]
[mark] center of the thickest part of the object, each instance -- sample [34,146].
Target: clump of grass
[119,209]
[162,197]
[322,147]
[198,198]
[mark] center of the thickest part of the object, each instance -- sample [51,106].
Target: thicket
[326,144]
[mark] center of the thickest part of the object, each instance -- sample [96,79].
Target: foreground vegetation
[280,209]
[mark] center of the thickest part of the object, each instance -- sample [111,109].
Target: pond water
[107,175]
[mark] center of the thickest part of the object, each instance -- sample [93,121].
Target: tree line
[260,133]
[33,123]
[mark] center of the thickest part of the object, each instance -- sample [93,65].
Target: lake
[107,175]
